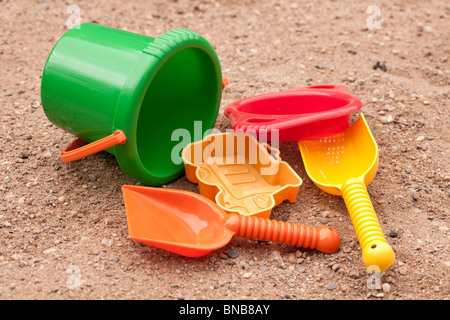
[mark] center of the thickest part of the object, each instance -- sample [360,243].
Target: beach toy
[191,225]
[343,165]
[241,175]
[301,114]
[126,93]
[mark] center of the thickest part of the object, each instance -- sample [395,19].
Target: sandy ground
[65,224]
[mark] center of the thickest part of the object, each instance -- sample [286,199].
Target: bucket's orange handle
[225,82]
[79,149]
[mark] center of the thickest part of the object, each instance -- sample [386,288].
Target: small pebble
[247,275]
[387,119]
[346,249]
[402,270]
[46,155]
[246,293]
[393,233]
[233,254]
[324,221]
[326,214]
[48,251]
[25,155]
[352,51]
[292,258]
[335,267]
[277,256]
[332,286]
[321,66]
[386,287]
[108,242]
[223,256]
[287,272]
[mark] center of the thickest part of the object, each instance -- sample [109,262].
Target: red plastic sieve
[300,114]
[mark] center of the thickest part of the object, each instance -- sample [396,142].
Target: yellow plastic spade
[343,165]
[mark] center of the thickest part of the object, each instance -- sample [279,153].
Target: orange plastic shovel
[343,165]
[191,225]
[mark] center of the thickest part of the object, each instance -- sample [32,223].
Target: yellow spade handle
[375,250]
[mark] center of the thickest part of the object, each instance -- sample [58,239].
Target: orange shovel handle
[324,239]
[225,82]
[79,148]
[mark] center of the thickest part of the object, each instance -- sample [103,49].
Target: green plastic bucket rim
[134,90]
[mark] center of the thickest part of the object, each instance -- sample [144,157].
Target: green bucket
[127,93]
